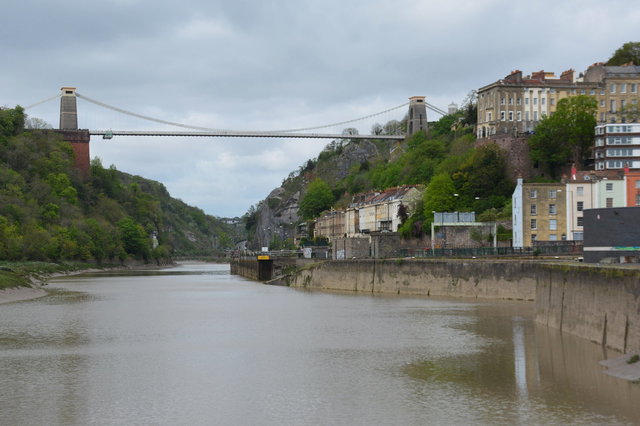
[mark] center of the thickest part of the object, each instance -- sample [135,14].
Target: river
[194,345]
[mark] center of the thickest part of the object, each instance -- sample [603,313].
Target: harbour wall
[592,302]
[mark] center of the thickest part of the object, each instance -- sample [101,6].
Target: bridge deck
[243,134]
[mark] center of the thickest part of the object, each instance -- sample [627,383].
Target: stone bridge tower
[79,139]
[417,115]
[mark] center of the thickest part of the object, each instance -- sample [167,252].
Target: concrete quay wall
[247,268]
[598,304]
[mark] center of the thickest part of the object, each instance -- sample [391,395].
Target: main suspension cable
[186,126]
[42,101]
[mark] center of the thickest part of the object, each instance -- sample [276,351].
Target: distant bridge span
[79,138]
[107,134]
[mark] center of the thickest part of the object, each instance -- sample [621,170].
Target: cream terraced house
[514,105]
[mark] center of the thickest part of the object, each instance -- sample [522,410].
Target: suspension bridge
[417,119]
[79,138]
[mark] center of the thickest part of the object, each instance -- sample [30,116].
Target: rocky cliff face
[278,217]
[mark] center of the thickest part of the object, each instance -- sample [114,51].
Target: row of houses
[375,211]
[515,104]
[555,211]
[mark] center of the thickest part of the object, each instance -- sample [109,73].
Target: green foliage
[11,122]
[628,53]
[317,199]
[135,240]
[439,197]
[413,227]
[482,180]
[47,212]
[566,135]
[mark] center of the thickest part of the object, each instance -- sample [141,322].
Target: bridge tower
[79,139]
[417,115]
[68,109]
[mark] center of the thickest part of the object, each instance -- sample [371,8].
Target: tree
[11,121]
[629,52]
[36,123]
[317,199]
[630,113]
[439,196]
[403,214]
[566,135]
[482,179]
[134,238]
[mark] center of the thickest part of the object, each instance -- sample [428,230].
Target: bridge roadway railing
[241,134]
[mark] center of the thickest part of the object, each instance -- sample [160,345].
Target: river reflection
[195,345]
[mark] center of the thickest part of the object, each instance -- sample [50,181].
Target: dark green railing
[541,250]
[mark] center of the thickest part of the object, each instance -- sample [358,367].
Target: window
[526,101]
[602,103]
[489,116]
[535,101]
[502,115]
[552,193]
[582,91]
[619,140]
[623,87]
[533,193]
[533,238]
[579,205]
[578,236]
[502,101]
[519,115]
[581,221]
[552,101]
[612,88]
[510,101]
[613,105]
[552,209]
[638,200]
[510,115]
[553,237]
[620,152]
[580,190]
[609,186]
[638,184]
[535,115]
[634,88]
[526,115]
[609,203]
[534,209]
[553,224]
[519,101]
[592,92]
[534,224]
[542,101]
[602,92]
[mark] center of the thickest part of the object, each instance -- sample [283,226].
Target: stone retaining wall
[598,304]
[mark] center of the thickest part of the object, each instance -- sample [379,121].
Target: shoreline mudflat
[17,294]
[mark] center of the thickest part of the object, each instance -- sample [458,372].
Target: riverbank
[21,281]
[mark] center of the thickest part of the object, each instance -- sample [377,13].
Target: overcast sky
[260,65]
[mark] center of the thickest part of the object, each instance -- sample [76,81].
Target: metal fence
[542,250]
